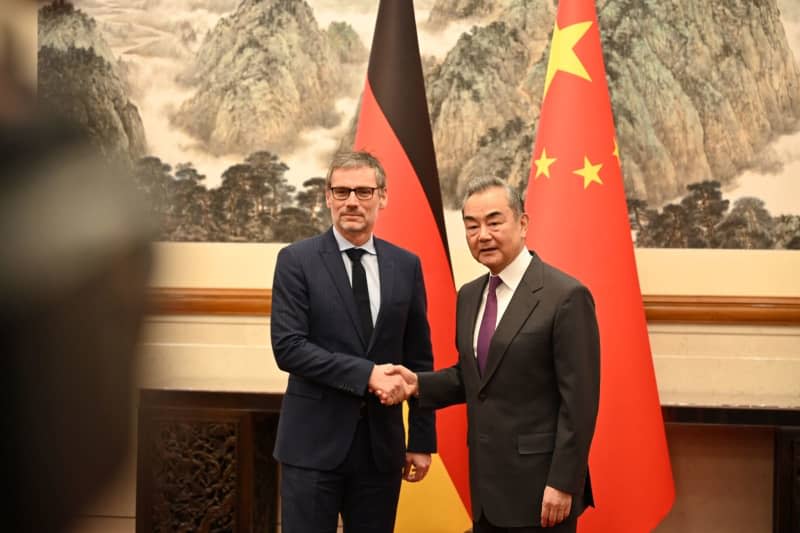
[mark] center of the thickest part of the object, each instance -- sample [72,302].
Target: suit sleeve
[293,350]
[418,357]
[576,353]
[444,387]
[441,388]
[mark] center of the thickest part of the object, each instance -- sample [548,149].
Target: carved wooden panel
[205,462]
[266,473]
[786,500]
[194,467]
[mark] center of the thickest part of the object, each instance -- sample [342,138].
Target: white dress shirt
[510,278]
[370,263]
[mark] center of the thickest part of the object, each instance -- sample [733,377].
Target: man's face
[355,218]
[494,235]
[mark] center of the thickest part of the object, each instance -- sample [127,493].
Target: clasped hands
[392,384]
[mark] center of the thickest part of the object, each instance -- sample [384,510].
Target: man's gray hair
[358,159]
[481,184]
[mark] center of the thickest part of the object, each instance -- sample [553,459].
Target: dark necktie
[488,323]
[360,291]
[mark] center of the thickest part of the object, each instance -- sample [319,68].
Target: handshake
[392,383]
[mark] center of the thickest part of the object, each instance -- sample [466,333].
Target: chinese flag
[394,125]
[578,222]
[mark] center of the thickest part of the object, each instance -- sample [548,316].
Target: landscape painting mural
[228,111]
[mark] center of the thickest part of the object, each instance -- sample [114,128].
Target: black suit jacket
[316,338]
[531,416]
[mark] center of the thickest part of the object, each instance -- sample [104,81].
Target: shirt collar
[513,272]
[344,244]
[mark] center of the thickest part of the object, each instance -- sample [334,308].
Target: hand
[556,506]
[410,378]
[417,465]
[389,388]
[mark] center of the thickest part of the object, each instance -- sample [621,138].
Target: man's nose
[483,232]
[351,199]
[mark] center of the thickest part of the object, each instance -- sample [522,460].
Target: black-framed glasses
[362,193]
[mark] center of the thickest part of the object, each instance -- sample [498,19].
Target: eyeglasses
[362,193]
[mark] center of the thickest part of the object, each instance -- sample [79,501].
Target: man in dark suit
[528,370]
[345,307]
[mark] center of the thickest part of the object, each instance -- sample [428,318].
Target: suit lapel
[472,295]
[386,273]
[332,259]
[523,302]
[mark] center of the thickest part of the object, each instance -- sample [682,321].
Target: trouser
[366,498]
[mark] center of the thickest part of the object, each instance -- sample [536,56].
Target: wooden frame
[682,309]
[679,286]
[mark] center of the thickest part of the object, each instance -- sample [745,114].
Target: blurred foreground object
[17,58]
[73,270]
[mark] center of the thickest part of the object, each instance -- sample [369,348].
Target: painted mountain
[243,102]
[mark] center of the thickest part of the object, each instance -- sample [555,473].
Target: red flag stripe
[398,87]
[394,125]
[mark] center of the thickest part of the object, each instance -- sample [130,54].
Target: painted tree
[312,198]
[268,185]
[705,209]
[749,226]
[190,205]
[233,205]
[668,229]
[787,232]
[153,177]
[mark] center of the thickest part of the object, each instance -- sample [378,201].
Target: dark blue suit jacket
[316,338]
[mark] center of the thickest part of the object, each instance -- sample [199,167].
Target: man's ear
[384,198]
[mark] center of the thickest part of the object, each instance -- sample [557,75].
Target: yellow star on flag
[562,53]
[615,153]
[543,164]
[590,172]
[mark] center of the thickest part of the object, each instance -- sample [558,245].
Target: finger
[547,513]
[406,470]
[552,517]
[422,471]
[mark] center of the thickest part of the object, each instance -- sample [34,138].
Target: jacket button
[482,396]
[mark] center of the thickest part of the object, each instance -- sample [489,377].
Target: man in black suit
[345,307]
[528,370]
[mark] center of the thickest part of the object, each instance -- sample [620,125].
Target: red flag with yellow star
[579,223]
[395,126]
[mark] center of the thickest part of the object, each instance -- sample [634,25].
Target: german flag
[394,125]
